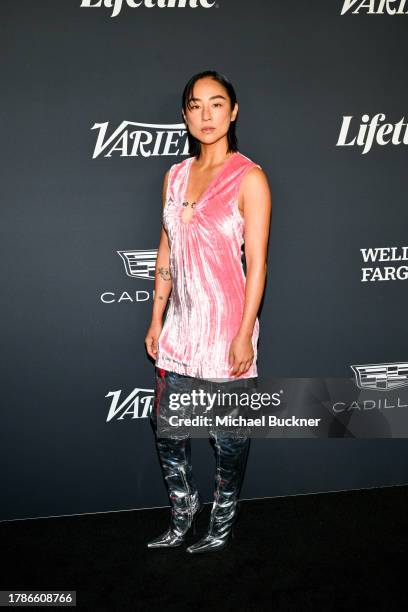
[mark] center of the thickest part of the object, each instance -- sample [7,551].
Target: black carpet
[328,551]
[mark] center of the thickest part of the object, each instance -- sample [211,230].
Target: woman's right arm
[162,285]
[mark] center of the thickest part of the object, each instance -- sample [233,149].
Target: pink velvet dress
[208,281]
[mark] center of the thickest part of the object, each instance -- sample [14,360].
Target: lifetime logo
[370,131]
[116,5]
[375,7]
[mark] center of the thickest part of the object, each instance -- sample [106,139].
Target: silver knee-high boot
[185,501]
[184,498]
[231,455]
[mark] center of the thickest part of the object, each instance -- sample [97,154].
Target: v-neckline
[210,184]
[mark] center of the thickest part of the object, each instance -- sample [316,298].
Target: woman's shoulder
[250,174]
[247,162]
[178,165]
[175,169]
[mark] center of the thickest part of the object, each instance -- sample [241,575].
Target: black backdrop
[77,382]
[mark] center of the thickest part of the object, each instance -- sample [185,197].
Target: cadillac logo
[139,264]
[381,376]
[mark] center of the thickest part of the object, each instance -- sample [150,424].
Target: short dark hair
[194,144]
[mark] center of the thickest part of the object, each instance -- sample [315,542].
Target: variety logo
[381,376]
[385,272]
[379,7]
[116,5]
[132,139]
[370,131]
[137,405]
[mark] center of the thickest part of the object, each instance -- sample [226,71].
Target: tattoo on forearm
[164,273]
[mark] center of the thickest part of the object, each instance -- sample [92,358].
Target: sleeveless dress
[208,281]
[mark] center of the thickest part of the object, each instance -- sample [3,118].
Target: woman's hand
[152,337]
[241,354]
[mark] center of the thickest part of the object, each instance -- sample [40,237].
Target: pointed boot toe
[210,543]
[168,539]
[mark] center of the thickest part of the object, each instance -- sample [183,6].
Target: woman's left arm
[255,200]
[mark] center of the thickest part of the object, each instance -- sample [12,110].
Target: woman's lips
[208,130]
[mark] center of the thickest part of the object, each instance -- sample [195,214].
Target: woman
[213,203]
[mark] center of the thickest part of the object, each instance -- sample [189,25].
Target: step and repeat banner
[91,121]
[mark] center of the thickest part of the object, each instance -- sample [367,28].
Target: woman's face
[209,114]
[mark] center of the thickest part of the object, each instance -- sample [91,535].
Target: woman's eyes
[196,105]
